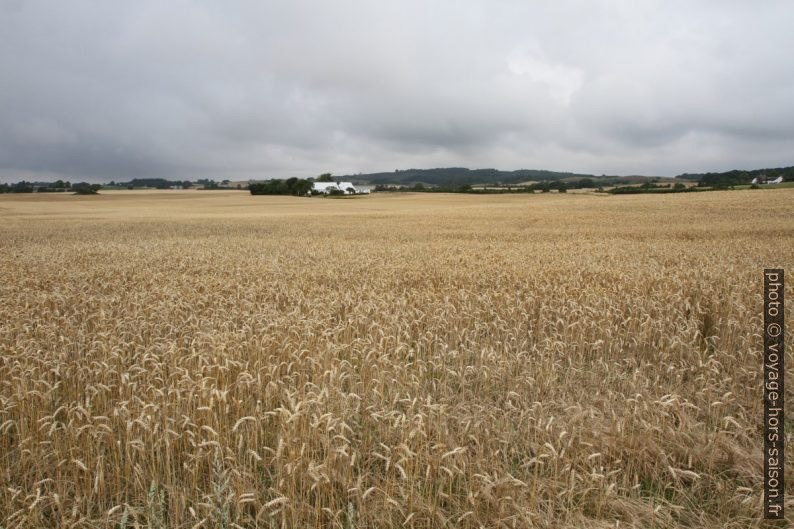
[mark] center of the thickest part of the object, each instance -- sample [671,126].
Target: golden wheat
[198,359]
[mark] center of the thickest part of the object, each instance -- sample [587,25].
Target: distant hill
[462,176]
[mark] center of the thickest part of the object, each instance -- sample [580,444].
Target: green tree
[292,186]
[325,177]
[84,188]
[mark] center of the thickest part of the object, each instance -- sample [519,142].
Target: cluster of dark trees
[81,188]
[157,183]
[18,187]
[582,183]
[291,186]
[84,188]
[162,183]
[55,187]
[733,178]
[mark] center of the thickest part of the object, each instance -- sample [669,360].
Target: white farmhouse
[764,180]
[324,187]
[345,187]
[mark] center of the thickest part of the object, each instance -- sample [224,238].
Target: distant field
[189,359]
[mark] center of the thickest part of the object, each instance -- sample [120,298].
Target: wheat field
[189,359]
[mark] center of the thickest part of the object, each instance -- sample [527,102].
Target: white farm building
[764,180]
[345,187]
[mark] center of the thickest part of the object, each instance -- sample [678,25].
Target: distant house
[763,179]
[345,187]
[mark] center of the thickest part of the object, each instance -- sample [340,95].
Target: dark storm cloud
[98,90]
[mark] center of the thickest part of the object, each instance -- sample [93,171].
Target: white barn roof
[324,186]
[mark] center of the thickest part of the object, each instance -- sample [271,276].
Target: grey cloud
[102,91]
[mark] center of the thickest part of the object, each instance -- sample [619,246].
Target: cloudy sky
[97,90]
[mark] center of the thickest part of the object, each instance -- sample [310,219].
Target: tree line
[291,186]
[80,188]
